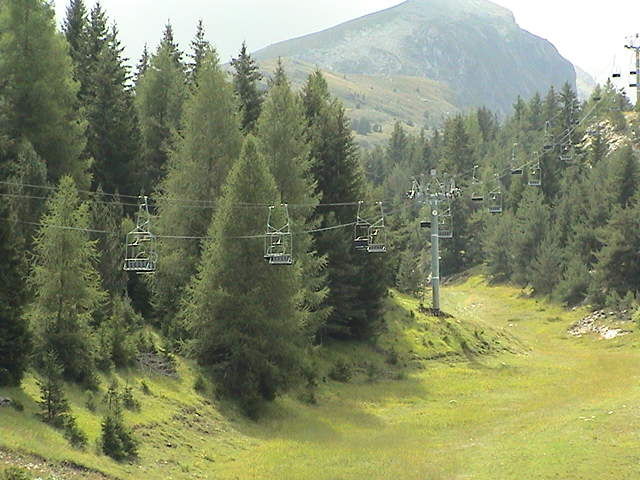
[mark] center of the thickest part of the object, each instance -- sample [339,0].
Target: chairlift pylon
[278,249]
[141,256]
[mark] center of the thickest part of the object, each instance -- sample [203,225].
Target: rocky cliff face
[473,46]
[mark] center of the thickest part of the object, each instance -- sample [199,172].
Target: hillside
[432,405]
[473,46]
[379,101]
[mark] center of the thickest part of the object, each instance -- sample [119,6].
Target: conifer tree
[546,267]
[53,401]
[241,310]
[197,169]
[143,64]
[200,47]
[75,27]
[357,281]
[623,176]
[66,285]
[38,90]
[245,81]
[15,337]
[283,143]
[106,216]
[160,96]
[618,264]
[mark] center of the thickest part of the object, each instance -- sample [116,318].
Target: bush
[145,388]
[342,371]
[128,400]
[17,405]
[199,385]
[76,437]
[14,473]
[91,403]
[117,440]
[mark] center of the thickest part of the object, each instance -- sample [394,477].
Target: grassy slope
[552,407]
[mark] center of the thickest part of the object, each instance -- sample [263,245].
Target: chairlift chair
[495,202]
[476,194]
[278,249]
[141,256]
[515,170]
[445,226]
[361,231]
[377,239]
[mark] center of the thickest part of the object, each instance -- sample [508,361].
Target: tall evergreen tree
[38,90]
[357,281]
[283,143]
[245,80]
[197,169]
[66,285]
[200,47]
[242,311]
[160,97]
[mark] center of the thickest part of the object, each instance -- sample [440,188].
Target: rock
[5,402]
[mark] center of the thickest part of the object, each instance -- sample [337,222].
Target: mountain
[585,83]
[474,47]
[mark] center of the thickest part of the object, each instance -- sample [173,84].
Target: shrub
[17,405]
[76,437]
[117,440]
[15,473]
[91,402]
[342,371]
[199,385]
[128,400]
[145,388]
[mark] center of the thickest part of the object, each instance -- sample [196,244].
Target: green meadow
[498,391]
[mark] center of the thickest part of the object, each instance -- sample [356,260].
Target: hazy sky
[590,34]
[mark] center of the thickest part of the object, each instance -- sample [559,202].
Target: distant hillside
[374,102]
[472,46]
[585,83]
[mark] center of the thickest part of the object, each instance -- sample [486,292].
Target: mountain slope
[473,46]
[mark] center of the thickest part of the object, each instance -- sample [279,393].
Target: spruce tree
[15,337]
[160,96]
[53,402]
[200,48]
[357,281]
[546,267]
[245,80]
[197,169]
[241,310]
[66,285]
[38,90]
[623,176]
[283,143]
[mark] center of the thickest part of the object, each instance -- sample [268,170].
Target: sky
[591,34]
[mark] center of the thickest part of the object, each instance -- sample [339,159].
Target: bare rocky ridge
[473,46]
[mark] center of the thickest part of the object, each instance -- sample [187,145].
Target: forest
[250,195]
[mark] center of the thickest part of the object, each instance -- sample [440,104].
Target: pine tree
[618,265]
[546,268]
[66,285]
[107,216]
[623,176]
[241,310]
[197,169]
[168,43]
[15,337]
[160,97]
[143,64]
[498,247]
[245,80]
[38,90]
[75,28]
[200,48]
[53,401]
[357,281]
[283,143]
